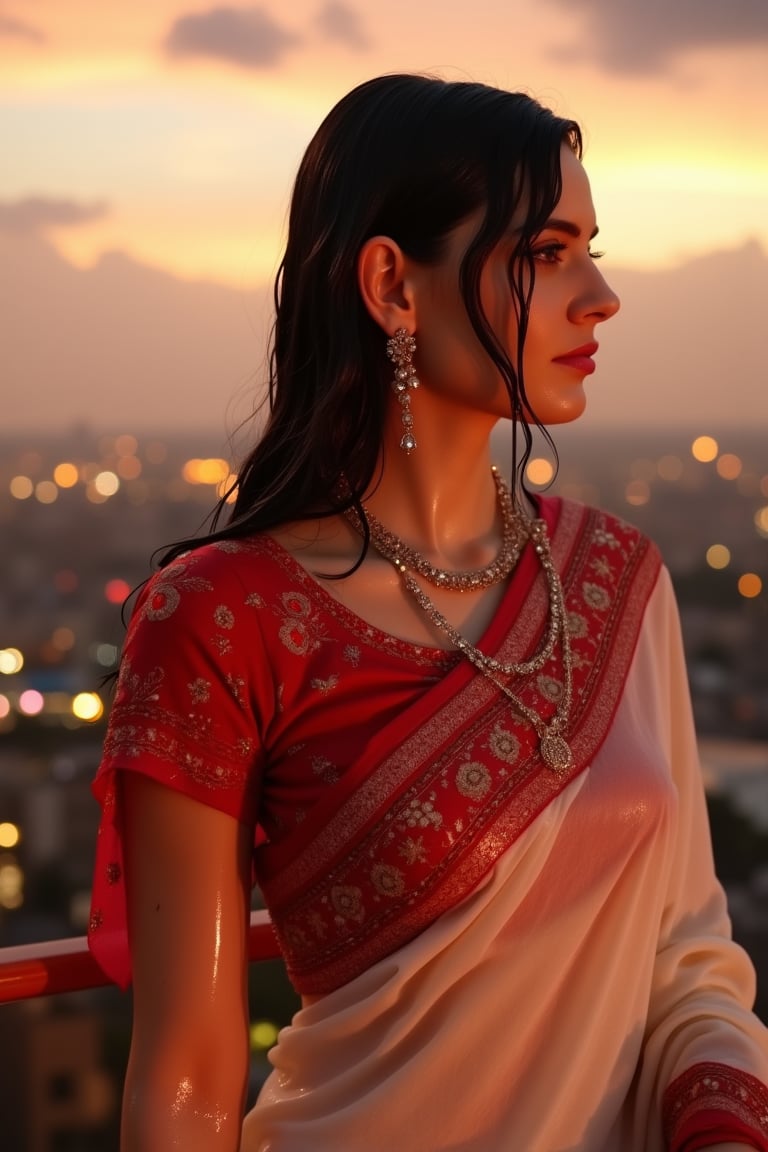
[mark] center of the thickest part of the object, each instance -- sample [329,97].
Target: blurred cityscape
[81,515]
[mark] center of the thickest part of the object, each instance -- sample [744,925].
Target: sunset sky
[170,131]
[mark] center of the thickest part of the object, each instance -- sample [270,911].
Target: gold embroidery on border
[713,1085]
[335,860]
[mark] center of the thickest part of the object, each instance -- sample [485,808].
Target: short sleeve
[193,698]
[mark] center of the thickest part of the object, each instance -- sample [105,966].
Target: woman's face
[570,298]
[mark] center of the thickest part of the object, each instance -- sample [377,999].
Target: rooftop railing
[56,966]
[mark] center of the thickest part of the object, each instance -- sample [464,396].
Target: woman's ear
[384,285]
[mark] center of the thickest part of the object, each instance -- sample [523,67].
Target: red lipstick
[579,359]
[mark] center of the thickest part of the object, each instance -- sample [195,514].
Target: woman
[445,724]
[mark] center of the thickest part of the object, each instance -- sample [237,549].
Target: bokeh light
[66,475]
[704,449]
[87,706]
[209,471]
[11,884]
[263,1034]
[11,661]
[31,702]
[718,556]
[63,639]
[106,655]
[761,521]
[21,487]
[750,585]
[46,492]
[106,483]
[729,466]
[126,445]
[115,591]
[540,471]
[637,493]
[128,467]
[9,835]
[5,707]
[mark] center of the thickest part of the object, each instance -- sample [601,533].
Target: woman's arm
[188,879]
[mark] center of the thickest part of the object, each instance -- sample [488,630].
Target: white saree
[578,1000]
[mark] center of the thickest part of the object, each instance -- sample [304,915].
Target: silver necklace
[553,746]
[513,537]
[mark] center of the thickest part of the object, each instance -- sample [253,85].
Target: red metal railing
[56,966]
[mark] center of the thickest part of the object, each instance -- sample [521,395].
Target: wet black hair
[409,157]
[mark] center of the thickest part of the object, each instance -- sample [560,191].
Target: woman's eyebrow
[555,224]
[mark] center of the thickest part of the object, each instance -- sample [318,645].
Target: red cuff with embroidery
[716,1127]
[715,1104]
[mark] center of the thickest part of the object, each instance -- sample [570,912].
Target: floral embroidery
[224,617]
[295,603]
[352,655]
[595,596]
[606,539]
[473,779]
[114,872]
[162,603]
[200,690]
[253,600]
[602,567]
[387,880]
[295,637]
[325,686]
[421,813]
[347,902]
[412,850]
[222,644]
[550,688]
[504,745]
[577,625]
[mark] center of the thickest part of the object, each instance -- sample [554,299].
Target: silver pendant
[556,752]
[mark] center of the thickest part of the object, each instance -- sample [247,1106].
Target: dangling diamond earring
[400,350]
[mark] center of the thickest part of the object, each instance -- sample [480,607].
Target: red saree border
[708,1090]
[430,819]
[390,759]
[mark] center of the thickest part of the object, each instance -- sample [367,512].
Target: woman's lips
[580,359]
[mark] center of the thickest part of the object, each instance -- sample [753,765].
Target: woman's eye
[548,253]
[596,255]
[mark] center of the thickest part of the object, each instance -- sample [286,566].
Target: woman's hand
[187,879]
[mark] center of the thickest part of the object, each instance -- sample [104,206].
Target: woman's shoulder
[243,570]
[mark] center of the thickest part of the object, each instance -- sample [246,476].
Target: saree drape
[493,955]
